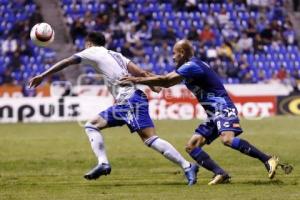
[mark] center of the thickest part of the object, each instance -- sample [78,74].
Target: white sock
[97,142]
[168,151]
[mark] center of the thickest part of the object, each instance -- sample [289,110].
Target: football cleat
[99,170]
[271,166]
[220,179]
[191,174]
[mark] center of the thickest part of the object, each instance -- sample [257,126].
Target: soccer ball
[42,34]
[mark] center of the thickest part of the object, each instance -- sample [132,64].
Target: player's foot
[271,166]
[191,174]
[220,179]
[99,170]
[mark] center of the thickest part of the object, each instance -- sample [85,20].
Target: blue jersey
[205,84]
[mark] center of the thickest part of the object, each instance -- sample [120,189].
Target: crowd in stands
[245,41]
[19,58]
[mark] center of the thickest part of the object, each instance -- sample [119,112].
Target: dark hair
[96,38]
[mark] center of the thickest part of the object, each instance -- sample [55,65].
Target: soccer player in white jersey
[131,107]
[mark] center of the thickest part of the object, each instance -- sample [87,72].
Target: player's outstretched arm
[35,81]
[136,71]
[163,81]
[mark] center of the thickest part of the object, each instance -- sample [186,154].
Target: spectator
[277,11]
[157,34]
[257,43]
[102,22]
[89,21]
[210,19]
[9,46]
[78,30]
[225,52]
[170,34]
[147,65]
[289,36]
[130,51]
[191,5]
[132,37]
[245,75]
[223,17]
[232,70]
[164,54]
[218,67]
[193,34]
[251,28]
[277,41]
[15,62]
[138,49]
[211,53]
[230,33]
[141,22]
[207,36]
[282,74]
[126,24]
[244,44]
[261,76]
[266,35]
[144,34]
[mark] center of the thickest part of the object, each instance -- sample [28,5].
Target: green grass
[47,161]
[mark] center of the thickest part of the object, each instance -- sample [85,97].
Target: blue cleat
[191,174]
[99,170]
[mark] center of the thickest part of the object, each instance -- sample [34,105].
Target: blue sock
[205,161]
[244,147]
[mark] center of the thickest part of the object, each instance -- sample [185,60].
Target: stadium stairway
[62,43]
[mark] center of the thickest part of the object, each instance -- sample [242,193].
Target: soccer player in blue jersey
[222,119]
[131,107]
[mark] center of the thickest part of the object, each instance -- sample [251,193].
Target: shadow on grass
[260,182]
[125,184]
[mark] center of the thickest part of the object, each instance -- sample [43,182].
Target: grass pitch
[47,161]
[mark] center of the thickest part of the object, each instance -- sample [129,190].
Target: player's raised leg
[271,162]
[194,148]
[164,147]
[92,129]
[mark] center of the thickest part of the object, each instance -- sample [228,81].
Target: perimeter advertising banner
[173,103]
[289,105]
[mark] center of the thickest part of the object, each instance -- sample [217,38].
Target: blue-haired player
[131,107]
[222,120]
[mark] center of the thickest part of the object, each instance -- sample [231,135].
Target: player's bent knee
[98,123]
[189,148]
[149,141]
[227,137]
[226,141]
[89,124]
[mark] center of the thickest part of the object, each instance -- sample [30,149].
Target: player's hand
[35,81]
[156,89]
[128,80]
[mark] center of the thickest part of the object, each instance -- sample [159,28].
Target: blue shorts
[134,112]
[225,121]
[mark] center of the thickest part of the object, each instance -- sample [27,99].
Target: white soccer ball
[42,34]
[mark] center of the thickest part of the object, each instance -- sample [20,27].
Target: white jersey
[112,65]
